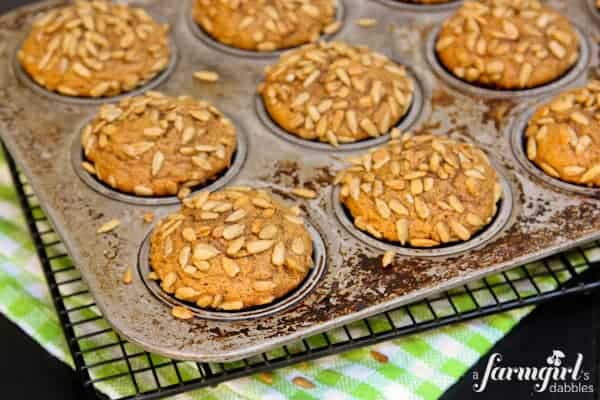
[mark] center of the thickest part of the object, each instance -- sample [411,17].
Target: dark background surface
[570,324]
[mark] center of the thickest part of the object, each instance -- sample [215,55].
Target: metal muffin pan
[535,219]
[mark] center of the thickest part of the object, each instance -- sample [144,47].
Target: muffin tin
[537,217]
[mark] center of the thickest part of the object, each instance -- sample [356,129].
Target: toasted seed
[557,49]
[181,312]
[366,22]
[204,252]
[474,219]
[304,192]
[235,245]
[579,118]
[421,208]
[278,256]
[153,276]
[206,76]
[142,190]
[233,231]
[236,215]
[420,242]
[442,231]
[261,203]
[109,226]
[460,230]
[268,232]
[189,234]
[573,170]
[294,219]
[184,256]
[531,148]
[169,281]
[204,300]
[186,293]
[387,258]
[157,162]
[298,246]
[456,204]
[263,286]
[591,174]
[231,305]
[230,267]
[398,207]
[303,382]
[402,230]
[379,357]
[258,246]
[127,277]
[382,208]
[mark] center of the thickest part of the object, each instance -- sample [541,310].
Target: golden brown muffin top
[422,190]
[563,136]
[507,44]
[336,93]
[95,49]
[154,145]
[231,249]
[265,25]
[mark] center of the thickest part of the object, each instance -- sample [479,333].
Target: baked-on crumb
[507,44]
[336,93]
[156,145]
[95,49]
[266,25]
[423,191]
[563,136]
[231,249]
[109,226]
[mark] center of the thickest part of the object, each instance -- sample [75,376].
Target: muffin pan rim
[416,7]
[287,301]
[204,37]
[237,164]
[470,89]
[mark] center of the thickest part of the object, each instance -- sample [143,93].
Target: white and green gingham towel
[420,366]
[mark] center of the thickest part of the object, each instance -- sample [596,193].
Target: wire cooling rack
[102,358]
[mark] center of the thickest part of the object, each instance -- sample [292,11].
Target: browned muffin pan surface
[537,216]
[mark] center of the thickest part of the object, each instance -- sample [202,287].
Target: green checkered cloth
[420,366]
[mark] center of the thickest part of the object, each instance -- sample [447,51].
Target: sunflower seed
[109,226]
[206,76]
[263,286]
[591,174]
[231,305]
[181,312]
[303,383]
[233,231]
[204,252]
[460,230]
[278,256]
[127,277]
[298,246]
[258,246]
[421,208]
[402,230]
[387,258]
[235,246]
[382,208]
[304,192]
[230,267]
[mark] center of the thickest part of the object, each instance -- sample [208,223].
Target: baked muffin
[155,145]
[95,49]
[336,93]
[507,44]
[563,136]
[231,250]
[423,191]
[265,25]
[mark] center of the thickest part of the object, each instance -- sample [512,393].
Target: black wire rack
[102,357]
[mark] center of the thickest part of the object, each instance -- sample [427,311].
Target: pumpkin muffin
[336,93]
[423,191]
[265,25]
[507,44]
[95,49]
[156,145]
[563,136]
[231,250]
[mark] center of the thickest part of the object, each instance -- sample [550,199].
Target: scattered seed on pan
[206,76]
[180,312]
[148,217]
[366,22]
[127,277]
[387,258]
[109,226]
